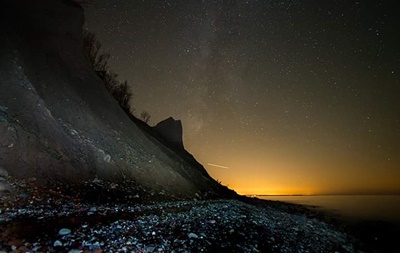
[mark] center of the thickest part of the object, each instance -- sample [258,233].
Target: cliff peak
[171,131]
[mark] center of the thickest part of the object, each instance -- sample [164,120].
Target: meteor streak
[219,166]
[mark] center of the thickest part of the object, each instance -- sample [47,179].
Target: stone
[57,243]
[64,231]
[193,236]
[107,158]
[150,249]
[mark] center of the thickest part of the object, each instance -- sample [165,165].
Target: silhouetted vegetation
[99,60]
[145,115]
[92,49]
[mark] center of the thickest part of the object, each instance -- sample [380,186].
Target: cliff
[59,123]
[171,131]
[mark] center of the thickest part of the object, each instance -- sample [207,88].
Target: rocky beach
[79,172]
[49,220]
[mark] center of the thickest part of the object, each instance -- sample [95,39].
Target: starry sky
[288,97]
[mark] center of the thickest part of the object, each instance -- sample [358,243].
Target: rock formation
[57,120]
[171,131]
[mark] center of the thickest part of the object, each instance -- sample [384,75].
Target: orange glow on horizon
[286,169]
[287,182]
[274,191]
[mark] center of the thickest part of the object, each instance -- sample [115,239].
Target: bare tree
[92,49]
[145,115]
[99,61]
[123,95]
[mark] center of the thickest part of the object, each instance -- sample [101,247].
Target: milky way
[292,96]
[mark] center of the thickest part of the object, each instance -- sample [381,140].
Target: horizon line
[325,194]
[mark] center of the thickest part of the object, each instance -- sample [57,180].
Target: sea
[373,219]
[385,208]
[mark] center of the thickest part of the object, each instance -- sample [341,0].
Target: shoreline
[369,235]
[191,226]
[31,216]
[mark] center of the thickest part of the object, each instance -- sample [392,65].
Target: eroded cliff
[57,120]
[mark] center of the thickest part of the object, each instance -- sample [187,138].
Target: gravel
[59,224]
[208,226]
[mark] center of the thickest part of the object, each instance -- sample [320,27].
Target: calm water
[373,219]
[360,207]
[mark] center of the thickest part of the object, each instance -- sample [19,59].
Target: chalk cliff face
[58,122]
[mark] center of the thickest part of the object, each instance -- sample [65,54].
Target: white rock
[150,249]
[64,231]
[193,236]
[107,158]
[57,243]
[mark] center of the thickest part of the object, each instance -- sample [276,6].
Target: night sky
[289,97]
